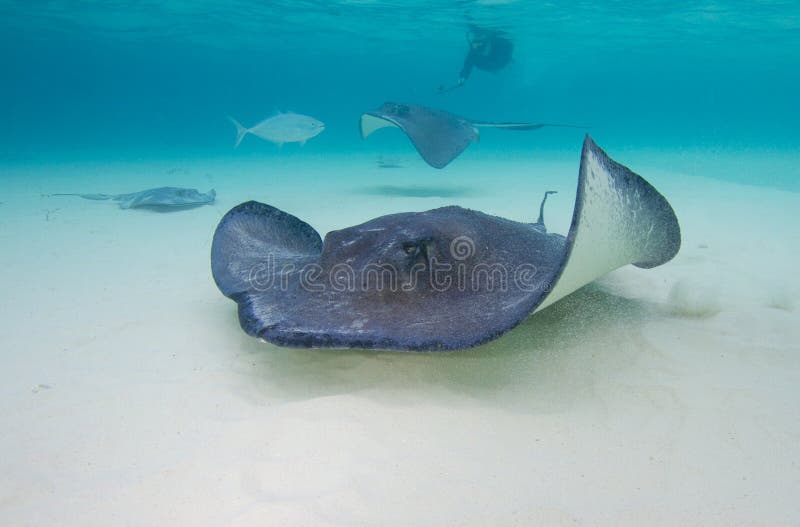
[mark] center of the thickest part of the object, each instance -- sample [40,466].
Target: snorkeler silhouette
[489,50]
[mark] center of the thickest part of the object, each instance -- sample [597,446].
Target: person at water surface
[489,50]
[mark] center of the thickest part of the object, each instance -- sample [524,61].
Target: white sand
[130,396]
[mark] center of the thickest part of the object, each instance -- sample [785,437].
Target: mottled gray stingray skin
[294,289]
[161,198]
[438,136]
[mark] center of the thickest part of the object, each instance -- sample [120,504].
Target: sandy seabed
[130,396]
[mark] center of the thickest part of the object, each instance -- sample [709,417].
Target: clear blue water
[129,393]
[96,79]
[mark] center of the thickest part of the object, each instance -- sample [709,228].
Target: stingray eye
[410,248]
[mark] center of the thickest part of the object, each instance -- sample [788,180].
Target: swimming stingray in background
[444,279]
[282,128]
[162,198]
[438,136]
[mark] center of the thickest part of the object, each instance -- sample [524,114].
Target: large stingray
[161,198]
[438,136]
[445,279]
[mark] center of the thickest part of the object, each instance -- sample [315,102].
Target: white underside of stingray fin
[619,219]
[370,123]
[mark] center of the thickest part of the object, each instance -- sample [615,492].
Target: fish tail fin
[241,131]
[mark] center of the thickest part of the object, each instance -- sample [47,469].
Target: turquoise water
[98,79]
[129,393]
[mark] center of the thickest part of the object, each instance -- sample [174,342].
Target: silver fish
[282,128]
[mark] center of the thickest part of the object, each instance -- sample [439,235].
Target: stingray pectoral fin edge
[253,236]
[619,218]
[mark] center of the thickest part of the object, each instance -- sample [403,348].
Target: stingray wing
[259,254]
[247,235]
[619,219]
[438,136]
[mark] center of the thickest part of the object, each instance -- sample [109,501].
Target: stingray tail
[524,126]
[241,131]
[96,197]
[540,221]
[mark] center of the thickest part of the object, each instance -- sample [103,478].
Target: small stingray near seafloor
[160,199]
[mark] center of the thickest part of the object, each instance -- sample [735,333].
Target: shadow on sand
[550,360]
